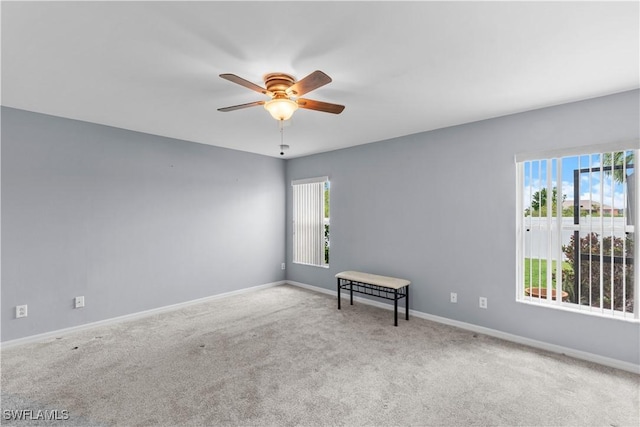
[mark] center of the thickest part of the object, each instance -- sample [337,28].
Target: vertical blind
[308,220]
[577,214]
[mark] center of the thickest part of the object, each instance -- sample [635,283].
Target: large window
[311,221]
[576,216]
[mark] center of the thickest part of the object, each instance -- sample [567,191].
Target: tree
[539,199]
[326,201]
[625,159]
[539,202]
[619,158]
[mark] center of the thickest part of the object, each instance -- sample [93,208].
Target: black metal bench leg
[338,294]
[395,307]
[407,303]
[351,287]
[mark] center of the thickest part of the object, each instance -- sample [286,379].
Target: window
[575,223]
[311,221]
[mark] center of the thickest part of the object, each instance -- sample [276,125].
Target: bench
[385,287]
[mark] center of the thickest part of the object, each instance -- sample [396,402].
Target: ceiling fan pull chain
[281,124]
[282,145]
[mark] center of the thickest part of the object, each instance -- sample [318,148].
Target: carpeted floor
[286,356]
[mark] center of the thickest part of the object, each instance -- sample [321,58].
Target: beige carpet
[286,356]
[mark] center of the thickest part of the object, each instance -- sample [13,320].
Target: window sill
[628,317]
[311,265]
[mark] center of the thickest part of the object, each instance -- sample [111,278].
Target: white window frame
[557,227]
[308,200]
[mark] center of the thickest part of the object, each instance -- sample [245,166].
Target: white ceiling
[398,67]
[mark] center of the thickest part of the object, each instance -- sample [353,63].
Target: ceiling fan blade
[241,106]
[326,107]
[246,83]
[309,83]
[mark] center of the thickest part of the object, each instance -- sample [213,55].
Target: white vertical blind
[308,221]
[579,255]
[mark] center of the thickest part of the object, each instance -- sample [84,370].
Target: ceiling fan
[285,91]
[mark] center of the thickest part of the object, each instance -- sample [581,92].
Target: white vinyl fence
[537,237]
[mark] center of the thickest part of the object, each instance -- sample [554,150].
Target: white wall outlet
[483,302]
[454,297]
[79,302]
[283,266]
[21,311]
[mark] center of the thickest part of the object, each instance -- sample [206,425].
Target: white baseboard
[129,317]
[602,360]
[578,354]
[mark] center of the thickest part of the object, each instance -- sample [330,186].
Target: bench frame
[378,291]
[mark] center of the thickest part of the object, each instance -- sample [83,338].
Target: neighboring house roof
[587,205]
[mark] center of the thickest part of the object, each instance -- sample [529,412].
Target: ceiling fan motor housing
[278,83]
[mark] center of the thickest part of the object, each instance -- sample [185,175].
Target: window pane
[581,249]
[310,224]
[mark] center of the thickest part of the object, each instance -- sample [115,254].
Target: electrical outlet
[79,302]
[21,311]
[483,302]
[283,266]
[454,297]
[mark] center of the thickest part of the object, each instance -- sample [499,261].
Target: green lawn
[535,272]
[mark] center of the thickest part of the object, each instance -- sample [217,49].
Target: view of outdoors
[578,230]
[326,222]
[311,221]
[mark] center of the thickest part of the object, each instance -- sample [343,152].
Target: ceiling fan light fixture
[281,108]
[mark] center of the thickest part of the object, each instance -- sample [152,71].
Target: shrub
[622,275]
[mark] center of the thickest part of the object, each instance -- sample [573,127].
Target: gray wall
[128,220]
[438,208]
